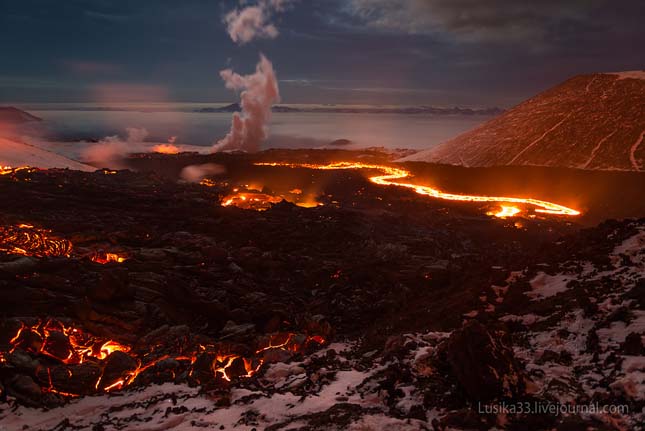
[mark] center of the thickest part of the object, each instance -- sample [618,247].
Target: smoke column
[259,91]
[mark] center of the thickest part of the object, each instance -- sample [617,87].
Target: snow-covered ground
[16,154]
[633,74]
[571,320]
[326,385]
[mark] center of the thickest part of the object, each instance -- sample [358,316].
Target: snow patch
[630,74]
[17,154]
[545,286]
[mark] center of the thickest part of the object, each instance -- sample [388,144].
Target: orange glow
[28,240]
[166,149]
[208,183]
[507,211]
[9,170]
[391,176]
[251,201]
[309,204]
[105,258]
[78,347]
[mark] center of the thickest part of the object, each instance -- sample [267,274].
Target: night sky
[436,52]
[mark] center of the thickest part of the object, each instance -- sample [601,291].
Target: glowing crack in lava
[79,363]
[105,258]
[28,240]
[391,176]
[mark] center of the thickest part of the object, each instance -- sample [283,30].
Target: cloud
[110,151]
[196,173]
[471,20]
[254,22]
[259,93]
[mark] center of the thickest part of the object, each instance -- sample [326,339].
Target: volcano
[594,121]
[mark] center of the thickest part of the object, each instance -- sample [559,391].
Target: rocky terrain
[132,300]
[590,122]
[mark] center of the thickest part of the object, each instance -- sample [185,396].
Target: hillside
[590,122]
[10,115]
[16,154]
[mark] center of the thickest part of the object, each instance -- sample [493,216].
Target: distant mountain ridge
[339,109]
[11,115]
[592,121]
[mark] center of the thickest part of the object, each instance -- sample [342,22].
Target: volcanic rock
[633,345]
[25,390]
[21,265]
[483,364]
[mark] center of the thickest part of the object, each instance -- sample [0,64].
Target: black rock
[633,345]
[483,364]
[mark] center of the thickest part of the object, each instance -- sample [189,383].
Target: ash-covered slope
[590,121]
[11,115]
[16,154]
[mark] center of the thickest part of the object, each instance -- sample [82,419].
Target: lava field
[285,297]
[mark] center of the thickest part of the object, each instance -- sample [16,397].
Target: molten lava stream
[391,176]
[32,241]
[105,258]
[70,348]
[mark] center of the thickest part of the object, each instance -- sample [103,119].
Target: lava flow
[392,174]
[105,258]
[166,149]
[9,170]
[78,363]
[251,201]
[32,241]
[507,211]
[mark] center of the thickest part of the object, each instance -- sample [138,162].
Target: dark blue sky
[466,52]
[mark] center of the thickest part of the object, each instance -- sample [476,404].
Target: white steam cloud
[109,151]
[260,89]
[196,173]
[251,22]
[259,92]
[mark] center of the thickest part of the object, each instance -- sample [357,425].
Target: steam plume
[110,150]
[253,22]
[259,92]
[195,173]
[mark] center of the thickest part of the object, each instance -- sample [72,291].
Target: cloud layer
[474,20]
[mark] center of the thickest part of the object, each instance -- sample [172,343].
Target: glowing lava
[105,258]
[9,170]
[28,240]
[251,201]
[68,347]
[391,176]
[507,211]
[166,149]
